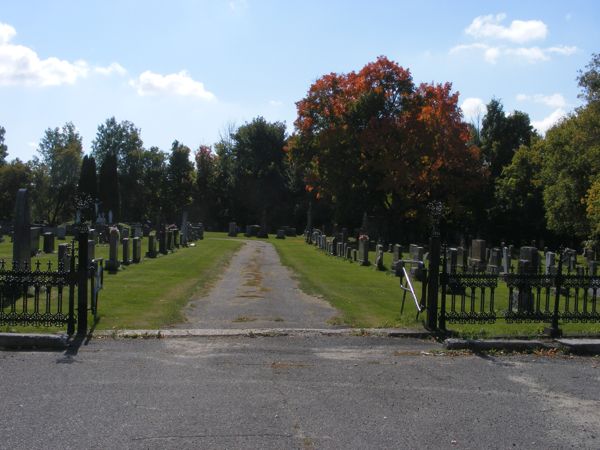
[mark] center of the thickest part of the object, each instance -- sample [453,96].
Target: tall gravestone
[363,252]
[113,263]
[184,229]
[48,242]
[151,246]
[379,257]
[125,243]
[136,250]
[232,229]
[21,234]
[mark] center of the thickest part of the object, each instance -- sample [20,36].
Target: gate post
[82,278]
[433,276]
[554,330]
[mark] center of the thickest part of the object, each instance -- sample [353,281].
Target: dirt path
[257,291]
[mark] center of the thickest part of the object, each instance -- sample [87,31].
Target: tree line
[370,141]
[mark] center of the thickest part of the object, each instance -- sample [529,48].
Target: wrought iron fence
[470,296]
[46,296]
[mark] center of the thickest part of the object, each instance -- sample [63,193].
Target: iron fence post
[443,279]
[71,321]
[434,273]
[554,330]
[82,279]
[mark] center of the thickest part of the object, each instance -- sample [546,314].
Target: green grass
[152,294]
[365,297]
[368,298]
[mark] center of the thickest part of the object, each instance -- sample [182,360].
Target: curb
[22,341]
[260,332]
[576,346]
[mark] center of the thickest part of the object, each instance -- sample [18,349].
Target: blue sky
[186,70]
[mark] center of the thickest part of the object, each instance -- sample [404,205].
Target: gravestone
[354,255]
[495,261]
[162,241]
[34,236]
[151,253]
[452,260]
[461,254]
[348,252]
[416,252]
[125,243]
[529,260]
[61,232]
[200,231]
[48,242]
[114,237]
[340,249]
[280,234]
[232,229]
[549,263]
[290,231]
[184,229]
[396,255]
[124,233]
[593,270]
[379,257]
[333,247]
[137,231]
[506,260]
[176,242]
[136,248]
[477,261]
[64,257]
[22,233]
[91,251]
[363,252]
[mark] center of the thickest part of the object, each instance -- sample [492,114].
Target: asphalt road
[294,392]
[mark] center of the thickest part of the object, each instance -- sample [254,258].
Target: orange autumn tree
[373,141]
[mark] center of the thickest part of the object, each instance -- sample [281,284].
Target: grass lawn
[150,294]
[368,298]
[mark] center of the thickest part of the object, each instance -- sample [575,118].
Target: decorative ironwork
[34,297]
[469,297]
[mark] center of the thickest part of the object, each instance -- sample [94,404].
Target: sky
[189,70]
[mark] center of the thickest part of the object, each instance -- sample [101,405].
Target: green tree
[154,163]
[179,181]
[123,140]
[3,147]
[519,195]
[13,176]
[87,186]
[108,187]
[589,81]
[61,153]
[571,163]
[259,170]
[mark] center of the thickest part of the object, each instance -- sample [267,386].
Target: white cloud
[519,31]
[275,103]
[563,50]
[6,33]
[548,122]
[150,83]
[112,68]
[553,100]
[473,109]
[489,28]
[492,54]
[20,65]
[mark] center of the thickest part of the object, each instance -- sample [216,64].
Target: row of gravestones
[166,240]
[495,260]
[257,231]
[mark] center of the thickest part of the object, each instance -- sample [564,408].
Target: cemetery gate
[41,296]
[469,295]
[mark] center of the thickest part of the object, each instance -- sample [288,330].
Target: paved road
[294,392]
[257,291]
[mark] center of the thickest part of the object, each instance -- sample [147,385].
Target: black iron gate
[44,296]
